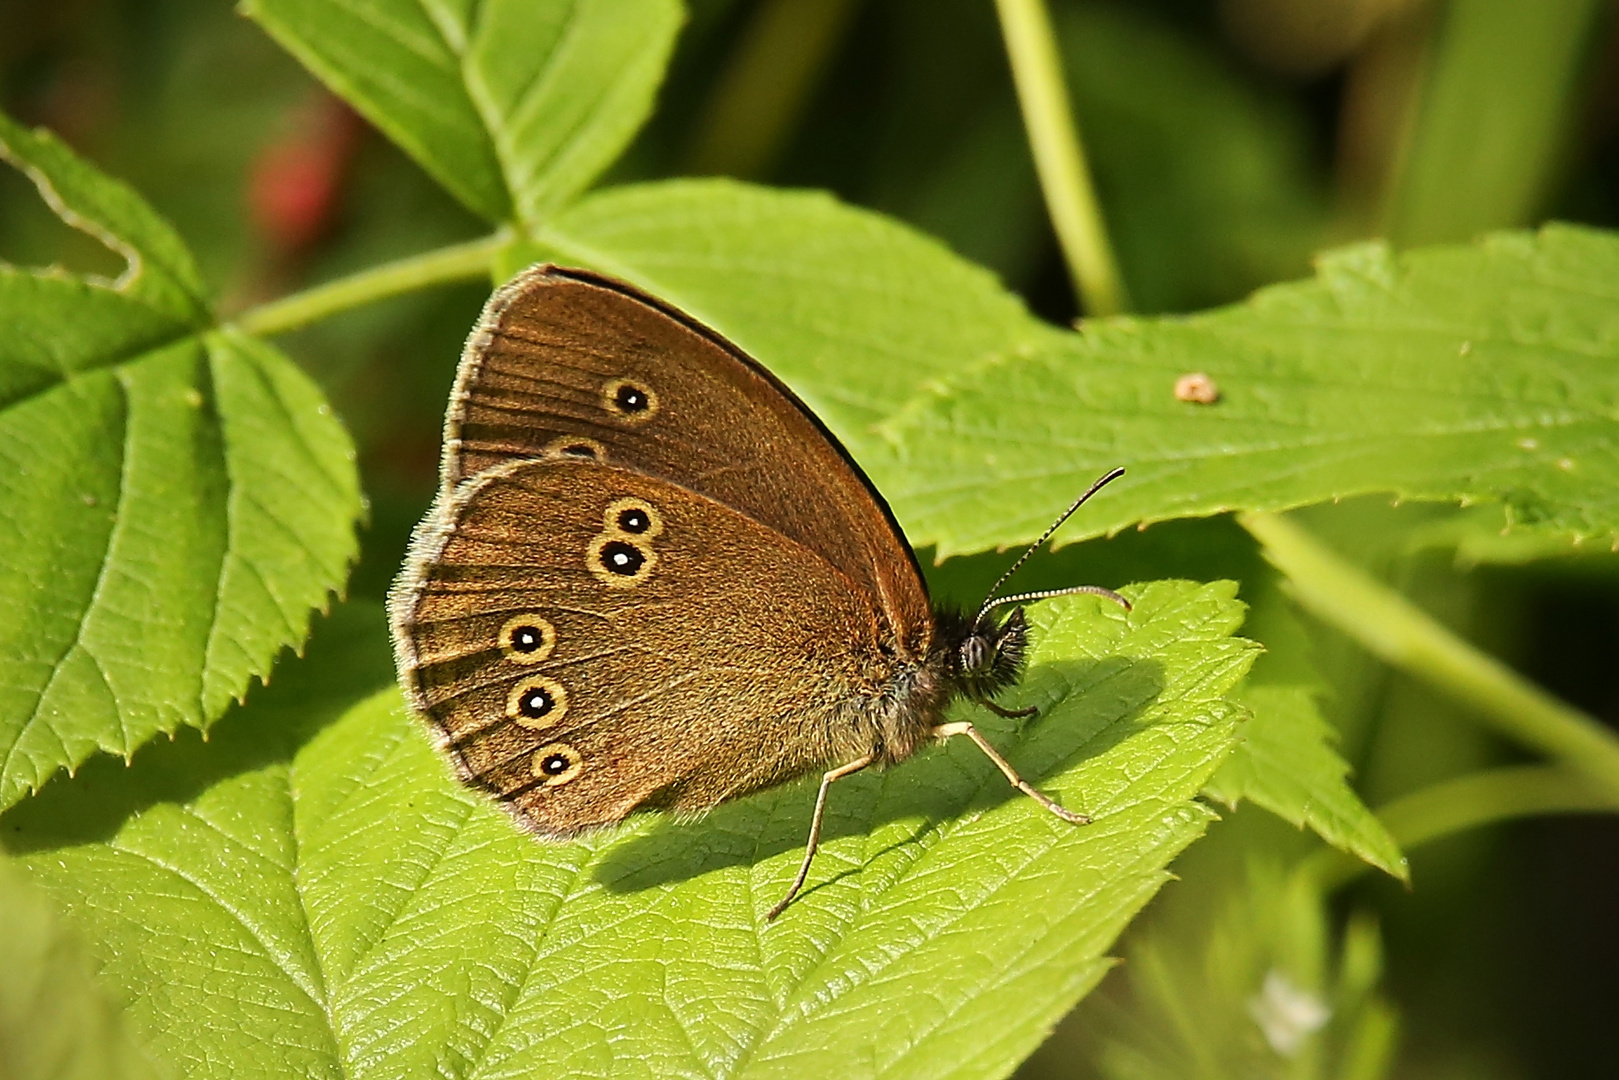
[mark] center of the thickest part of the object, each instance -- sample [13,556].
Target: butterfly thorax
[964,659]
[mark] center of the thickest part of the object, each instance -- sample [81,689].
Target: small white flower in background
[1286,1014]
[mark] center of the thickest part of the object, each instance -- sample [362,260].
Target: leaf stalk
[1472,802]
[1402,635]
[457,262]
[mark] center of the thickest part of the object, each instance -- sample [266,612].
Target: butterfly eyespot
[575,446]
[620,558]
[537,702]
[630,400]
[556,764]
[527,639]
[633,516]
[618,562]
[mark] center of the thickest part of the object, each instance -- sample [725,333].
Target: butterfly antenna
[1046,594]
[990,602]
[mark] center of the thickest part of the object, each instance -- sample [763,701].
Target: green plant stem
[1398,632]
[1471,802]
[458,262]
[1059,156]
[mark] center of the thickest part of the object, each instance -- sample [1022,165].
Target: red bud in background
[294,187]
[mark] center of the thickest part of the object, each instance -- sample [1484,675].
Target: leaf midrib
[520,986]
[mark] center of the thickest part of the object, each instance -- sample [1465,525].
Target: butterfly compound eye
[975,653]
[629,399]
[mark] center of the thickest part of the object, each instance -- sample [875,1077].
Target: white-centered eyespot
[619,562]
[556,764]
[629,400]
[537,702]
[575,446]
[527,639]
[635,517]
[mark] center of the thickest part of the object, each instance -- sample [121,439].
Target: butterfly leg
[827,780]
[1010,714]
[962,727]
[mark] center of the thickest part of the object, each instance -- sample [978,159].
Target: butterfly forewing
[567,364]
[587,639]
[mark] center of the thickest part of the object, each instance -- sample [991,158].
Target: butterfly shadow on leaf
[1087,709]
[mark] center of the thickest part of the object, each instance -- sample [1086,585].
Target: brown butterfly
[652,579]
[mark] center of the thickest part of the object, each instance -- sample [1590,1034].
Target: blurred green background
[1230,140]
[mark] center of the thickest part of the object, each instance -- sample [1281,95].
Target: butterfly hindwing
[586,639]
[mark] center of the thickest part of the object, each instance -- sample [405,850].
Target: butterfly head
[986,655]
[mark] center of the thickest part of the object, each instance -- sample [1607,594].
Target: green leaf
[56,1023]
[1287,762]
[857,312]
[514,106]
[1459,373]
[160,278]
[309,893]
[58,324]
[174,499]
[1478,535]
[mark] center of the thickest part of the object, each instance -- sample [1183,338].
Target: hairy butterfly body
[652,579]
